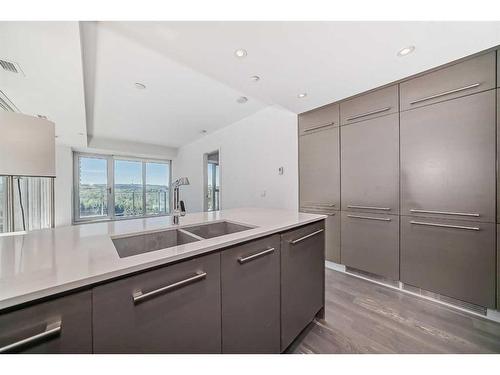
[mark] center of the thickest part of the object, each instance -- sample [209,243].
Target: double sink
[127,246]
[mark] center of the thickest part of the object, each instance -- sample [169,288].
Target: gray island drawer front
[250,275]
[59,326]
[455,258]
[448,159]
[176,310]
[302,279]
[370,242]
[370,165]
[465,78]
[374,104]
[319,119]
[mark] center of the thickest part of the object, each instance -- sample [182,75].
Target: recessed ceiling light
[203,131]
[302,95]
[255,78]
[406,51]
[140,86]
[42,117]
[242,99]
[240,53]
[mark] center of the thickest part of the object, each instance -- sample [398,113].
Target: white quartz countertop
[47,262]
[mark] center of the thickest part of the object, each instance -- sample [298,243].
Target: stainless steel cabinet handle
[444,213]
[368,113]
[308,210]
[445,93]
[293,242]
[318,127]
[242,260]
[370,208]
[369,218]
[139,296]
[444,225]
[319,205]
[51,330]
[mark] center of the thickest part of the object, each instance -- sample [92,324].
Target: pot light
[240,53]
[139,85]
[203,131]
[406,51]
[302,95]
[242,99]
[255,78]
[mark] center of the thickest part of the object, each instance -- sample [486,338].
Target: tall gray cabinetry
[319,171]
[448,181]
[370,182]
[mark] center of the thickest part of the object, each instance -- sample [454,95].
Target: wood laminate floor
[363,317]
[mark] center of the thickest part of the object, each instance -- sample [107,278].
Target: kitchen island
[98,288]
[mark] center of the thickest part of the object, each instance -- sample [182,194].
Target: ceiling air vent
[6,104]
[11,67]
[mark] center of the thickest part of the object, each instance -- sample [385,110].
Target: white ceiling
[328,60]
[193,78]
[49,54]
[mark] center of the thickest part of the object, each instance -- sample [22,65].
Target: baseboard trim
[493,315]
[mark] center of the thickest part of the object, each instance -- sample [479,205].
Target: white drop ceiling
[193,79]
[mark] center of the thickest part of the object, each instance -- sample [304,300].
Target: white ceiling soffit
[49,81]
[327,60]
[176,105]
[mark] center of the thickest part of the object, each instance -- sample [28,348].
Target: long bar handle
[444,213]
[444,225]
[445,93]
[368,113]
[319,205]
[309,210]
[369,218]
[369,208]
[51,330]
[139,296]
[293,242]
[318,127]
[242,260]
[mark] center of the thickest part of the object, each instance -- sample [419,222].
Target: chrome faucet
[178,210]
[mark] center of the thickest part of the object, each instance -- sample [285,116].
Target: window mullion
[111,187]
[144,189]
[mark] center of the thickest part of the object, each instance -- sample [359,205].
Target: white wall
[251,151]
[63,185]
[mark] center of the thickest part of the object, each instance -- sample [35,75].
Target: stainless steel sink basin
[143,243]
[216,229]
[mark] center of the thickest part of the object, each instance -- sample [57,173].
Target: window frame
[110,159]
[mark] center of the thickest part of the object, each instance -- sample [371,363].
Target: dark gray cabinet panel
[448,159]
[455,258]
[332,233]
[185,319]
[302,279]
[370,165]
[374,104]
[467,77]
[498,266]
[319,168]
[498,152]
[370,242]
[62,325]
[319,119]
[250,277]
[498,68]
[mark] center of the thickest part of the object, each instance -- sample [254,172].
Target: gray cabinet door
[455,258]
[61,325]
[182,319]
[319,119]
[319,169]
[370,242]
[332,233]
[498,153]
[250,281]
[448,159]
[370,165]
[498,266]
[367,106]
[302,279]
[464,78]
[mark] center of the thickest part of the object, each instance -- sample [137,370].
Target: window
[112,187]
[212,187]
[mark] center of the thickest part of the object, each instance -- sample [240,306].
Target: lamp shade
[27,145]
